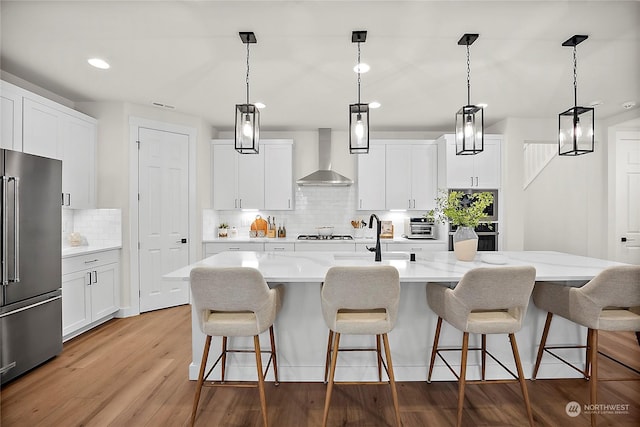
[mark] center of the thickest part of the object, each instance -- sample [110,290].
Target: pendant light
[470,118]
[358,113]
[247,115]
[575,126]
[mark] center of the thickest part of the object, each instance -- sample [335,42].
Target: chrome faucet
[378,231]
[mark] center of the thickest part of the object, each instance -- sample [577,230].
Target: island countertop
[305,267]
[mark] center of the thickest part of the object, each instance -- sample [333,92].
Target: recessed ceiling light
[99,63]
[595,103]
[374,104]
[361,68]
[259,105]
[629,104]
[482,104]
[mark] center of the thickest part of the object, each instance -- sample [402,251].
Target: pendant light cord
[359,76]
[575,76]
[247,73]
[468,75]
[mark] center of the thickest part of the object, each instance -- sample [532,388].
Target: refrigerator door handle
[16,224]
[30,306]
[5,231]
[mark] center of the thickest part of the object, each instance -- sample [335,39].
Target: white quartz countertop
[71,251]
[367,240]
[301,267]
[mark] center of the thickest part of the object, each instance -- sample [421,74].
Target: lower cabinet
[90,285]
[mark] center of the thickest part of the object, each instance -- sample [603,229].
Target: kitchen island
[301,333]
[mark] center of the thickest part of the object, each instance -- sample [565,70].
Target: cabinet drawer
[214,248]
[279,247]
[417,247]
[83,262]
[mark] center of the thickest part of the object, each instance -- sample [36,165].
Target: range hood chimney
[324,176]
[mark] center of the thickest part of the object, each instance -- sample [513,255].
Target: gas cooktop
[318,237]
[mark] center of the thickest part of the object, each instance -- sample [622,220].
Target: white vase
[465,243]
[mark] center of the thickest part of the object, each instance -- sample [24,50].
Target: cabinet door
[225,175]
[372,179]
[278,176]
[398,176]
[104,280]
[424,176]
[10,117]
[460,169]
[42,130]
[79,163]
[76,301]
[251,180]
[487,165]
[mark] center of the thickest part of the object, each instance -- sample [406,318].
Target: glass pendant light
[470,118]
[247,115]
[358,113]
[575,125]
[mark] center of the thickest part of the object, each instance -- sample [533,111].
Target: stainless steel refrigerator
[30,297]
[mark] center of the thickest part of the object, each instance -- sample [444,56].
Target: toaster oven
[419,228]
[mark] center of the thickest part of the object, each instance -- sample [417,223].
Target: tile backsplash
[314,207]
[97,226]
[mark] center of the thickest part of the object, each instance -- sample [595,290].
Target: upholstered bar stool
[485,301]
[608,302]
[234,302]
[360,301]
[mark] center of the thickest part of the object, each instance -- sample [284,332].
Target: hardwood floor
[133,372]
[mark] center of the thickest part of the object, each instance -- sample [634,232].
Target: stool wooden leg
[587,365]
[379,356]
[392,380]
[484,355]
[223,366]
[523,385]
[327,362]
[463,375]
[593,385]
[203,366]
[543,342]
[273,356]
[327,399]
[434,349]
[263,399]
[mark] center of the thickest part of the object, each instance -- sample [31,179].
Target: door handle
[5,230]
[16,222]
[181,241]
[16,229]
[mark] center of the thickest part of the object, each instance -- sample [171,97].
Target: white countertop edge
[71,251]
[296,240]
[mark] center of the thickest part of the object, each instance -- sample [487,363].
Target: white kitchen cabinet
[238,179]
[418,246]
[278,175]
[411,176]
[58,132]
[325,247]
[90,289]
[212,248]
[481,170]
[10,116]
[371,179]
[279,246]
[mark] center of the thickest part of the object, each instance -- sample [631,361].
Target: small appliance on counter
[419,228]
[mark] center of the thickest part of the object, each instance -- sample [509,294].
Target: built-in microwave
[419,228]
[491,211]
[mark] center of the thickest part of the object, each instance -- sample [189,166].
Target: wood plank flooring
[133,372]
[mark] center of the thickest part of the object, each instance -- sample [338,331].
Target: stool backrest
[229,289]
[617,286]
[497,288]
[361,288]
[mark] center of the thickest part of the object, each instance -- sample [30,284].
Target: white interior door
[628,197]
[163,216]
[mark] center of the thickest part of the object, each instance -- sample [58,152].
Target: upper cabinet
[10,116]
[39,126]
[278,175]
[371,179]
[252,181]
[472,171]
[398,175]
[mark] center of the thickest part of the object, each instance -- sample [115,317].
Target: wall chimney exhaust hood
[324,176]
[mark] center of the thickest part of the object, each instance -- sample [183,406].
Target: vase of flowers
[223,230]
[465,217]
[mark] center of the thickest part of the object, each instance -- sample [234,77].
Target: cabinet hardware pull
[471,180]
[90,261]
[477,181]
[89,278]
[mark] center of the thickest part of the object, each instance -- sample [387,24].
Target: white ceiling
[188,54]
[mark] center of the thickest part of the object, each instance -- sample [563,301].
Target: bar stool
[360,301]
[234,302]
[485,301]
[609,302]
